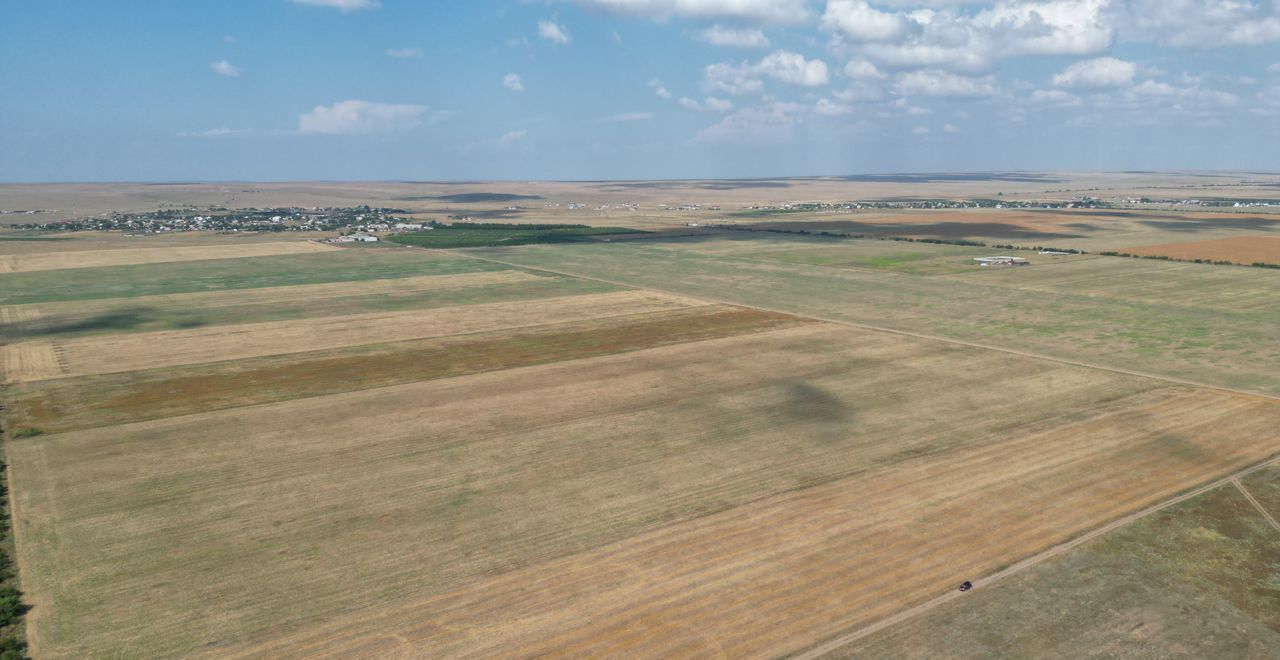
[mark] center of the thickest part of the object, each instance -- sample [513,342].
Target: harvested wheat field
[569,507]
[34,360]
[1240,250]
[22,263]
[100,355]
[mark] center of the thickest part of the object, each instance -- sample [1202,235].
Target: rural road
[1256,504]
[1024,564]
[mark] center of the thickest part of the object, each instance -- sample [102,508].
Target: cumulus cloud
[1099,72]
[357,117]
[934,82]
[975,42]
[343,5]
[772,123]
[920,130]
[859,21]
[719,35]
[1274,68]
[756,11]
[404,53]
[950,128]
[224,68]
[554,32]
[861,69]
[512,82]
[782,65]
[510,138]
[829,108]
[658,90]
[1204,23]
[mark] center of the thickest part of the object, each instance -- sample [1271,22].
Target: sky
[278,90]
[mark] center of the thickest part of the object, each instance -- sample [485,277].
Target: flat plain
[691,442]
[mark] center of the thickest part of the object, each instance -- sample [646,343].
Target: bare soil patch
[1240,250]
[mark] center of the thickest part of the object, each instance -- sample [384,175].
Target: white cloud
[916,111]
[343,5]
[228,39]
[757,11]
[628,117]
[660,91]
[781,65]
[768,124]
[950,128]
[861,69]
[861,22]
[859,93]
[404,53]
[920,130]
[953,39]
[1204,23]
[554,32]
[512,82]
[933,82]
[719,35]
[1055,97]
[1099,72]
[831,108]
[224,68]
[1274,68]
[362,117]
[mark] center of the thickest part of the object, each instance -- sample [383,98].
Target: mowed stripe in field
[24,263]
[246,524]
[777,576]
[264,296]
[111,354]
[76,403]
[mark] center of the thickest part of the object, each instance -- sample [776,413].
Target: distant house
[409,225]
[358,238]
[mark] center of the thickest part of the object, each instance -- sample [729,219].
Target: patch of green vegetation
[1201,579]
[13,646]
[35,238]
[28,432]
[486,235]
[222,274]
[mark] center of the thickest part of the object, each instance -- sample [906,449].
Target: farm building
[1001,261]
[358,238]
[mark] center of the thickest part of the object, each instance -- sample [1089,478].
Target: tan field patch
[271,295]
[784,574]
[250,524]
[1240,250]
[33,360]
[22,263]
[13,314]
[109,354]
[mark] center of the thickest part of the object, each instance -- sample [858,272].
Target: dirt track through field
[23,263]
[785,573]
[110,354]
[1256,504]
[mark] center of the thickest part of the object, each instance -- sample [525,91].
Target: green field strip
[1238,350]
[222,274]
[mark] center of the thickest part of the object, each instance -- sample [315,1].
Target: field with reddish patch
[1240,250]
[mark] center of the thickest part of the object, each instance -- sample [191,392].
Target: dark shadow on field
[735,184]
[924,229]
[469,198]
[1009,177]
[1249,223]
[115,321]
[812,410]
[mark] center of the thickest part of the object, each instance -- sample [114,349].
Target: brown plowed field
[1240,250]
[22,263]
[110,354]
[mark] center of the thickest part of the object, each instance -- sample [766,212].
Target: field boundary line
[1029,562]
[876,328]
[1256,504]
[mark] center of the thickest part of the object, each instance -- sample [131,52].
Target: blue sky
[100,90]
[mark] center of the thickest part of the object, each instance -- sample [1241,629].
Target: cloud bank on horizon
[644,88]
